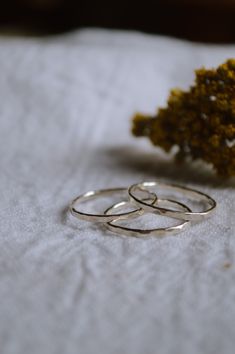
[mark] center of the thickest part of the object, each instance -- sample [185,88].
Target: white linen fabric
[68,286]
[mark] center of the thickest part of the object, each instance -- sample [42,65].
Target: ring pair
[149,203]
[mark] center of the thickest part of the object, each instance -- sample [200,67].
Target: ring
[103,217]
[188,192]
[160,232]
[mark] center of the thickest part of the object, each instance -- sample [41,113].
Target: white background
[73,287]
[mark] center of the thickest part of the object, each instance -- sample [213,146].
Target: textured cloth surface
[72,287]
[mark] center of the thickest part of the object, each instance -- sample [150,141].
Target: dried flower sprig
[201,121]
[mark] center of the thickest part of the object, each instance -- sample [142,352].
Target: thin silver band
[102,217]
[159,232]
[188,192]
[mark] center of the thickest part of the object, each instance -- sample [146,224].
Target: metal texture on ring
[159,232]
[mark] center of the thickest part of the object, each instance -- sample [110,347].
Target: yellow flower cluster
[201,121]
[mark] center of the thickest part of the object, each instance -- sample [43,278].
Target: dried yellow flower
[201,121]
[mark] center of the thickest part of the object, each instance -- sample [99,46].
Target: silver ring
[188,192]
[102,217]
[160,232]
